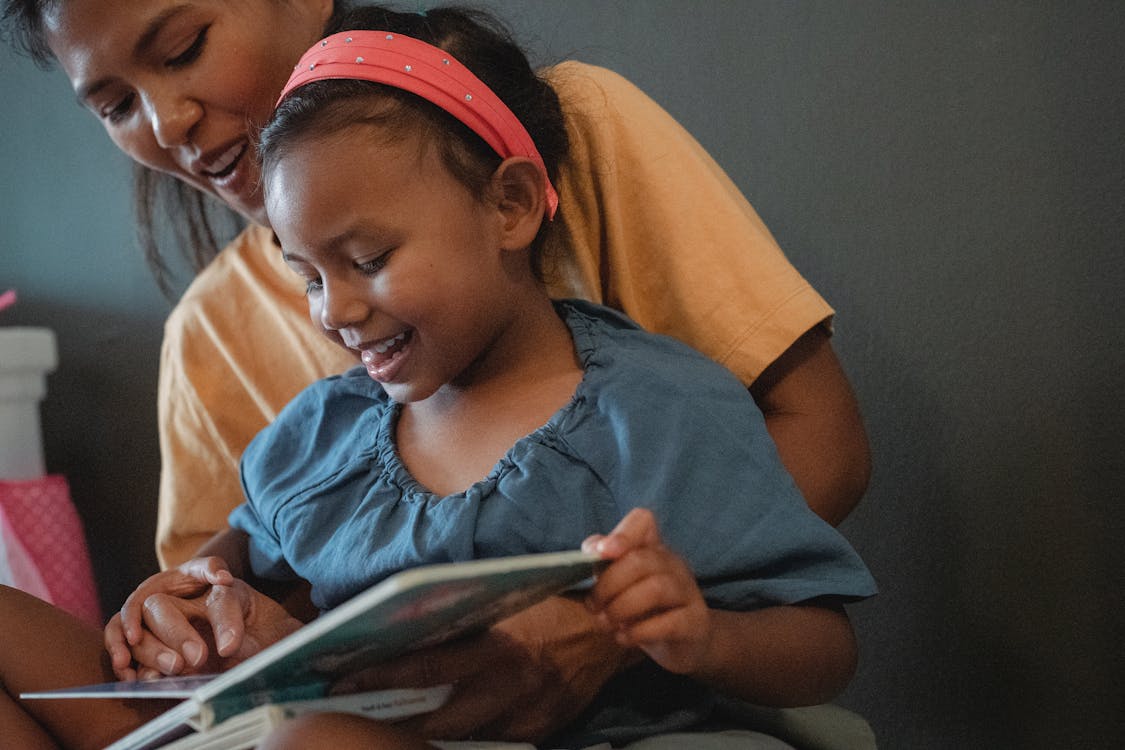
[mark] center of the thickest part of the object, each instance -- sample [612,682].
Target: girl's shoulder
[330,422]
[617,353]
[639,388]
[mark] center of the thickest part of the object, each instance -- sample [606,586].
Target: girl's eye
[374,265]
[190,54]
[312,285]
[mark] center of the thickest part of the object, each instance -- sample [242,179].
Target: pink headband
[429,72]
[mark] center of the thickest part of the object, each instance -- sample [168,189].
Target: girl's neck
[454,438]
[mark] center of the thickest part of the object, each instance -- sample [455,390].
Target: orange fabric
[650,225]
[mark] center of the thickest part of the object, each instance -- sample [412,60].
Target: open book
[410,610]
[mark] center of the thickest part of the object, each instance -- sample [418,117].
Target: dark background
[950,175]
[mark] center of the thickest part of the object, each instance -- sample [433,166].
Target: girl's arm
[778,656]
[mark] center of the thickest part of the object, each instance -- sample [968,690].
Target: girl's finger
[120,652]
[645,599]
[637,529]
[211,570]
[590,543]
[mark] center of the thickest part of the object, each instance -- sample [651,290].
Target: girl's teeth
[383,346]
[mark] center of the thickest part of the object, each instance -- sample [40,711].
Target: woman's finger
[190,579]
[227,608]
[168,621]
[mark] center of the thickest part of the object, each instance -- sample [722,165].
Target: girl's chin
[406,393]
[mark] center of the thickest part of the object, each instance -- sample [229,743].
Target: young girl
[413,197]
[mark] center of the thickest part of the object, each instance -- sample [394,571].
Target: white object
[27,355]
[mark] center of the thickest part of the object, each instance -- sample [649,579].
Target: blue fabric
[653,423]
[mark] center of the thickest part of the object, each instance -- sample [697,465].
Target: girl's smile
[383,359]
[403,264]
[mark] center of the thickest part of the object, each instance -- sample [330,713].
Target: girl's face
[403,264]
[180,85]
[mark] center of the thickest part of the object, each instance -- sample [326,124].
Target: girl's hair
[199,223]
[477,40]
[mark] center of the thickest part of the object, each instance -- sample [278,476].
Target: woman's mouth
[221,167]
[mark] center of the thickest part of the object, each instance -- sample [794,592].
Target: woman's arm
[779,656]
[521,680]
[813,417]
[647,209]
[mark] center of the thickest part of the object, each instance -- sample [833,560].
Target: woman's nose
[173,118]
[341,306]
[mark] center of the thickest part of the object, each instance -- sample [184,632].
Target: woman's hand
[523,679]
[196,618]
[648,596]
[127,640]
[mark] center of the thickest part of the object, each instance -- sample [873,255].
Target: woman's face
[182,85]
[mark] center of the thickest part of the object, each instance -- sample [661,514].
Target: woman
[179,87]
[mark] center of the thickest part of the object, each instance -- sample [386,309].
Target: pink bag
[43,548]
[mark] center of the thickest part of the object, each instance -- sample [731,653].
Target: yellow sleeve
[236,349]
[657,229]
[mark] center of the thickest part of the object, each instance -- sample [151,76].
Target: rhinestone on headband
[431,73]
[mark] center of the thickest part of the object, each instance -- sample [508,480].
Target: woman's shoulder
[589,87]
[242,283]
[243,262]
[239,312]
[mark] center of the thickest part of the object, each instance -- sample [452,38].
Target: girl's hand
[179,633]
[648,597]
[126,638]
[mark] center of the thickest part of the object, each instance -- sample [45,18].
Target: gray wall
[950,175]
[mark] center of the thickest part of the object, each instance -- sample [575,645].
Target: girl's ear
[522,201]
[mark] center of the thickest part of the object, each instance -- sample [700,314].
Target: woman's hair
[478,41]
[198,223]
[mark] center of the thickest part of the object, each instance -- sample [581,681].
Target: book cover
[410,610]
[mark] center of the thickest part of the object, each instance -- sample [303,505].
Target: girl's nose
[341,306]
[173,118]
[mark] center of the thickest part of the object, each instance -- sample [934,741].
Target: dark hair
[197,223]
[23,28]
[476,39]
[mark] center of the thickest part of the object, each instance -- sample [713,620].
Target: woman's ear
[519,185]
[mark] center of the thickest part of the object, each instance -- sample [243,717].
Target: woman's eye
[312,285]
[120,109]
[190,54]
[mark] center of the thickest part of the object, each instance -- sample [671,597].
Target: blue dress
[653,423]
